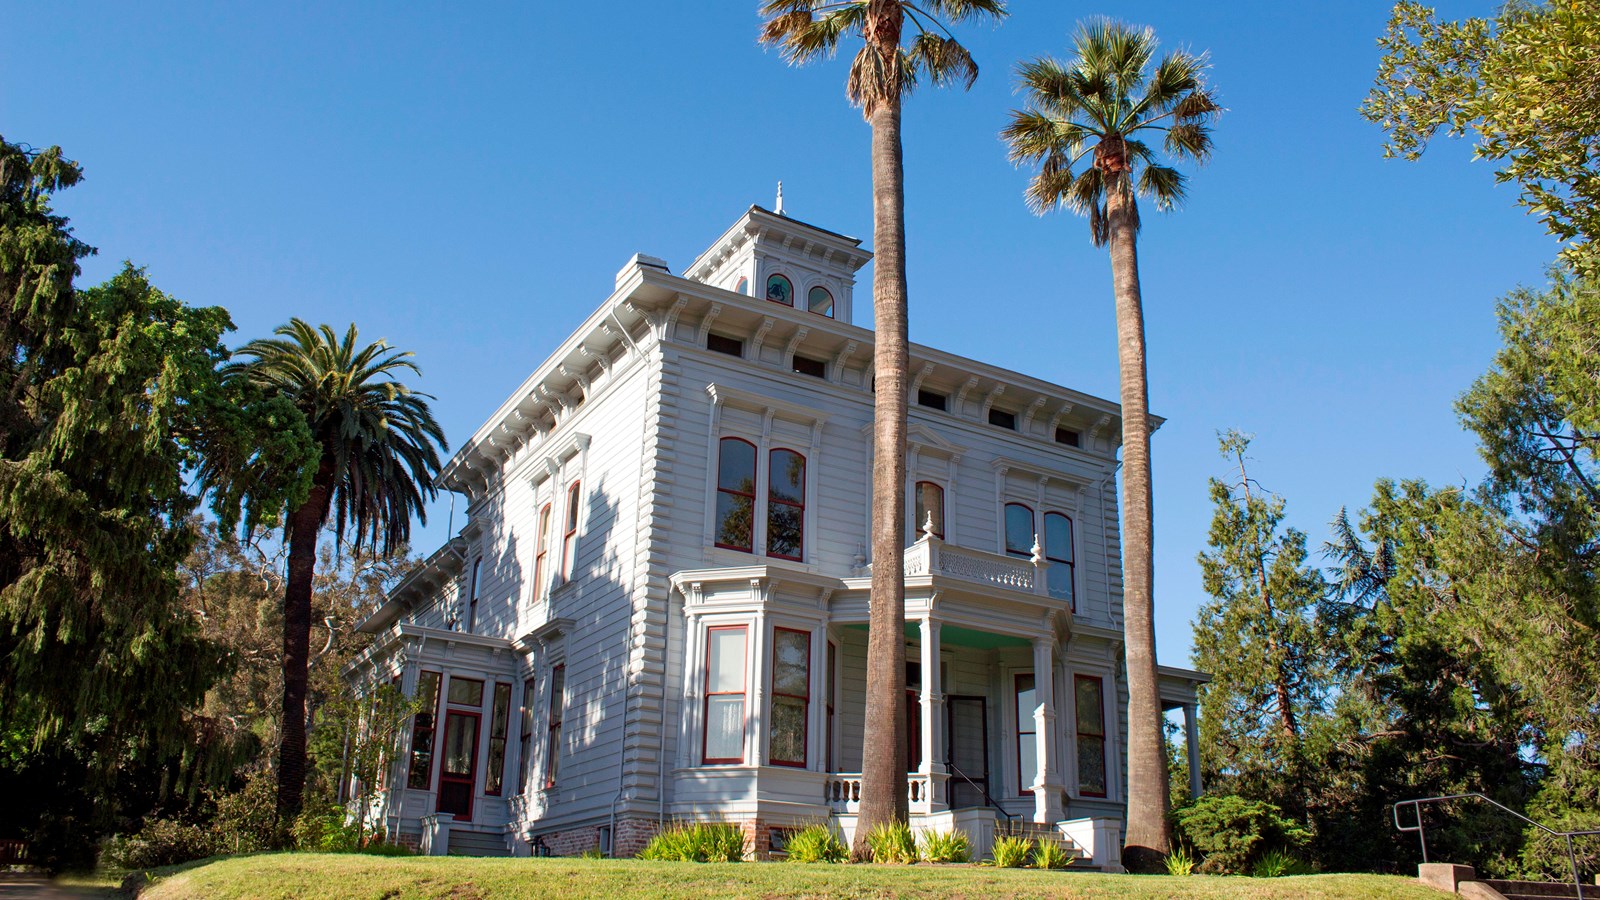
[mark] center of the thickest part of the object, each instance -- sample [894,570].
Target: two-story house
[657,609]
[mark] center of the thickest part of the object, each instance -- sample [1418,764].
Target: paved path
[36,887]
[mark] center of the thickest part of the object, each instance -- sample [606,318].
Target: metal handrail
[984,788]
[1422,838]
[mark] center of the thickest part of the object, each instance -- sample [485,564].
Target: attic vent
[932,400]
[1003,419]
[719,344]
[1069,437]
[816,368]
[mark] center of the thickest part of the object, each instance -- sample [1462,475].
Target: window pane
[930,499]
[573,495]
[736,466]
[788,730]
[1019,530]
[735,516]
[1027,760]
[1058,537]
[497,765]
[466,692]
[780,291]
[725,660]
[785,530]
[791,664]
[787,477]
[1090,706]
[820,301]
[502,711]
[1092,765]
[460,743]
[1027,701]
[725,727]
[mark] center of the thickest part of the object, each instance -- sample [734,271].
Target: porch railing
[931,556]
[842,791]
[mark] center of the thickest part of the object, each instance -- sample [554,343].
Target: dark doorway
[460,765]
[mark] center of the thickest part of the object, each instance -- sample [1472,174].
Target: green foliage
[246,821]
[697,842]
[892,842]
[1051,855]
[161,842]
[593,853]
[325,828]
[1180,863]
[1011,851]
[951,846]
[1231,833]
[816,843]
[1276,864]
[1526,82]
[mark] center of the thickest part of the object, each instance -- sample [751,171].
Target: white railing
[932,556]
[842,792]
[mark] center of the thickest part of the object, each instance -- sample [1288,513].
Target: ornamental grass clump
[1011,852]
[816,844]
[697,842]
[1180,862]
[946,846]
[1051,855]
[892,843]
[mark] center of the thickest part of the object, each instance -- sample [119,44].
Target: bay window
[723,738]
[499,726]
[791,697]
[423,727]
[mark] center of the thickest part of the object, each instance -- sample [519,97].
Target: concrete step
[1539,890]
[464,842]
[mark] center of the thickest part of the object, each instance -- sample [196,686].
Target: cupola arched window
[779,290]
[819,301]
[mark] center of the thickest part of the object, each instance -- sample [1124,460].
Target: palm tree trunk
[883,766]
[305,524]
[1148,839]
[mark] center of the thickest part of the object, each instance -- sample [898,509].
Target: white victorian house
[657,609]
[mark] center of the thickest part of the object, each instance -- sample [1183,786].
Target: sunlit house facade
[657,607]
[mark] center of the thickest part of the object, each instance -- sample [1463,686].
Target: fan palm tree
[1104,105]
[884,71]
[379,454]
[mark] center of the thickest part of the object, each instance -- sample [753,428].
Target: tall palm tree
[1104,104]
[380,452]
[883,72]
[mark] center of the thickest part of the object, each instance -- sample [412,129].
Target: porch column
[1046,783]
[933,737]
[1191,740]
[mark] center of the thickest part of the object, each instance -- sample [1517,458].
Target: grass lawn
[306,875]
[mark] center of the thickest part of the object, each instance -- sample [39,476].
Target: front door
[460,765]
[968,743]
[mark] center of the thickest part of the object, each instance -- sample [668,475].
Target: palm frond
[966,10]
[1190,140]
[1163,184]
[943,59]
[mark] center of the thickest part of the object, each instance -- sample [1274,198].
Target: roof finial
[779,209]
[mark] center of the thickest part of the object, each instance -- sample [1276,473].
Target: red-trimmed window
[786,504]
[736,494]
[1027,738]
[723,738]
[541,553]
[791,697]
[930,501]
[819,301]
[525,759]
[569,536]
[558,705]
[423,729]
[1019,530]
[499,728]
[466,692]
[1089,699]
[1058,550]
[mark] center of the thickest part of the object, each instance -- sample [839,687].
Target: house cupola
[769,256]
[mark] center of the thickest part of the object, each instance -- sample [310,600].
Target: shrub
[384,848]
[247,820]
[697,842]
[946,846]
[816,844]
[1051,855]
[161,842]
[1011,852]
[1180,863]
[892,842]
[1230,833]
[1276,864]
[325,830]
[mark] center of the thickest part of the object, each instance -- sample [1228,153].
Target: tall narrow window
[1027,738]
[819,301]
[1058,550]
[423,726]
[930,501]
[779,290]
[558,704]
[569,536]
[499,727]
[541,554]
[1019,530]
[472,601]
[1089,698]
[786,504]
[832,691]
[791,697]
[736,494]
[525,758]
[724,712]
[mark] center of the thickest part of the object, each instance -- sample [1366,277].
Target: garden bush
[697,842]
[161,842]
[816,844]
[946,846]
[892,843]
[1010,852]
[1231,833]
[1276,864]
[246,821]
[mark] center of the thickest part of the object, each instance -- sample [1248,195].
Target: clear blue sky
[464,181]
